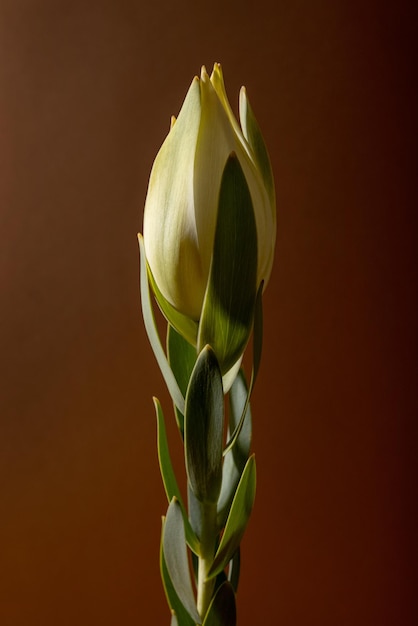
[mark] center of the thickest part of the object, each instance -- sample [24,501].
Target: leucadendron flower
[210,220]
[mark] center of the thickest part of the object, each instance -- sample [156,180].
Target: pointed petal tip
[217,74]
[243,100]
[217,68]
[203,74]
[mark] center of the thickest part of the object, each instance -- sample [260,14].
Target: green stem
[208,544]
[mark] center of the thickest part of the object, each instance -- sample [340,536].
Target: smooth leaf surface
[203,427]
[182,358]
[257,348]
[195,512]
[252,134]
[183,324]
[238,517]
[167,473]
[230,376]
[151,329]
[237,456]
[222,609]
[172,598]
[175,555]
[228,308]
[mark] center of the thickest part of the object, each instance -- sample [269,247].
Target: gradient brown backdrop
[86,93]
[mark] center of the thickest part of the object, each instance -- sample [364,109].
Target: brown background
[86,92]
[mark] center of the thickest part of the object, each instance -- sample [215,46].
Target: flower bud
[191,180]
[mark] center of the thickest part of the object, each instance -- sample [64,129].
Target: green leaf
[172,598]
[237,456]
[181,357]
[169,479]
[152,333]
[203,427]
[183,324]
[238,517]
[175,555]
[234,569]
[195,511]
[257,347]
[222,609]
[228,308]
[252,134]
[221,578]
[230,376]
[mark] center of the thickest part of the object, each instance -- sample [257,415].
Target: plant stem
[207,542]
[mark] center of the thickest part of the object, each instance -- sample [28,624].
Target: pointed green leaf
[257,347]
[203,427]
[252,134]
[238,517]
[228,307]
[222,609]
[183,324]
[169,479]
[175,555]
[181,357]
[237,456]
[167,473]
[152,333]
[172,598]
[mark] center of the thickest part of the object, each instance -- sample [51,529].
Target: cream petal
[261,202]
[216,140]
[169,217]
[218,83]
[182,200]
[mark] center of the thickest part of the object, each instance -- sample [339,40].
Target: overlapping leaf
[174,602]
[228,308]
[203,427]
[169,479]
[175,556]
[237,456]
[253,135]
[222,609]
[152,333]
[238,517]
[181,357]
[257,348]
